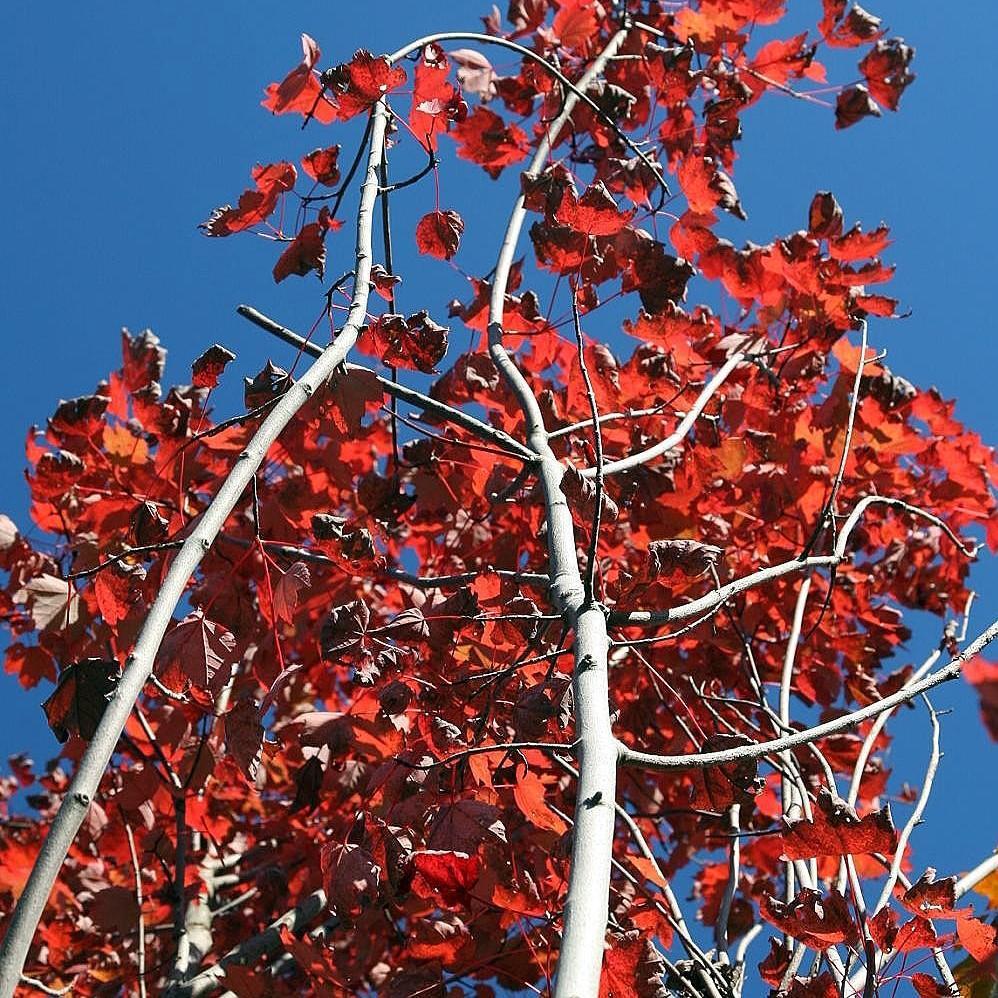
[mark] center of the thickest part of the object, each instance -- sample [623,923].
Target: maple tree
[358,700]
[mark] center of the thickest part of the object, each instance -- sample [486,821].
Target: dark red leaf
[254,206]
[79,701]
[209,366]
[439,234]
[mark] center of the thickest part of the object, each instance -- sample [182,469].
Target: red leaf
[383,282]
[838,831]
[307,251]
[79,701]
[299,91]
[528,792]
[484,138]
[931,898]
[444,875]
[209,366]
[321,165]
[632,967]
[352,878]
[357,84]
[198,652]
[288,589]
[820,921]
[853,105]
[415,343]
[244,737]
[439,234]
[118,589]
[885,67]
[254,205]
[977,938]
[30,664]
[824,219]
[595,213]
[928,987]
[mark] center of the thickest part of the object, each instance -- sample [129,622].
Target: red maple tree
[361,700]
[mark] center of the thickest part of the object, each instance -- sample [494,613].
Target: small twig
[481,749]
[589,579]
[137,873]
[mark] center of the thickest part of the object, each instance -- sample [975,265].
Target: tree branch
[396,390]
[139,664]
[631,757]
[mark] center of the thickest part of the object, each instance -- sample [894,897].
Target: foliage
[370,691]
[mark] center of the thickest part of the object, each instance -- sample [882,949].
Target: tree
[427,703]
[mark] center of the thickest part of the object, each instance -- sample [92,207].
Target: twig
[950,671]
[410,395]
[137,873]
[483,749]
[681,431]
[76,801]
[589,580]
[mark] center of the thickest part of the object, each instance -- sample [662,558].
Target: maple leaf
[847,30]
[836,830]
[30,663]
[438,234]
[474,73]
[244,737]
[197,652]
[306,252]
[351,877]
[444,876]
[595,213]
[885,68]
[416,342]
[271,382]
[52,603]
[208,368]
[978,938]
[118,589]
[824,217]
[853,105]
[484,138]
[931,898]
[322,165]
[288,589]
[818,920]
[632,967]
[686,556]
[355,85]
[77,704]
[255,206]
[528,792]
[707,187]
[300,91]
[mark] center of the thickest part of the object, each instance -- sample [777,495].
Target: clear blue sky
[124,124]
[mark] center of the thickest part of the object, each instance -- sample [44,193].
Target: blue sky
[125,124]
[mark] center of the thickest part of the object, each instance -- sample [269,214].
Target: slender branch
[483,749]
[137,874]
[970,880]
[589,582]
[734,862]
[396,390]
[249,950]
[916,814]
[681,431]
[607,417]
[950,671]
[139,664]
[646,618]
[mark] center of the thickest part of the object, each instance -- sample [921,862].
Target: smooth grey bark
[139,664]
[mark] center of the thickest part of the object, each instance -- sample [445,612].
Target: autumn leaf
[439,234]
[208,368]
[853,105]
[255,206]
[322,165]
[416,342]
[197,652]
[299,92]
[287,590]
[78,703]
[836,830]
